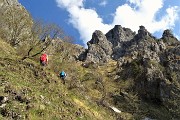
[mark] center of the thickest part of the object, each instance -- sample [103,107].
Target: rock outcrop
[99,48]
[120,38]
[167,33]
[143,33]
[113,44]
[169,38]
[119,34]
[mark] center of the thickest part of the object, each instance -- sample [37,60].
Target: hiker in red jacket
[44,59]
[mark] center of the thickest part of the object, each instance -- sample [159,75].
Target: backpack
[43,57]
[62,74]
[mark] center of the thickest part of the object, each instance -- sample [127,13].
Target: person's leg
[43,63]
[63,79]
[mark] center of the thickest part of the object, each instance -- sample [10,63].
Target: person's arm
[47,59]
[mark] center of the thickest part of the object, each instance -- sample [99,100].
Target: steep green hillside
[36,92]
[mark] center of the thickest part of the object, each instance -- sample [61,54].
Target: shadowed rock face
[119,34]
[167,33]
[120,38]
[142,32]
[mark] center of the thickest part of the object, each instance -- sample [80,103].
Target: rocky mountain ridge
[118,42]
[153,64]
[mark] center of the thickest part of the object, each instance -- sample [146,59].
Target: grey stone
[99,48]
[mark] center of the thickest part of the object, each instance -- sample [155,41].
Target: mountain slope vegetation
[34,92]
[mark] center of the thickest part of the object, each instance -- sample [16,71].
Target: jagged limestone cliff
[152,65]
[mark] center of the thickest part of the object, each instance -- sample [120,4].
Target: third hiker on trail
[44,59]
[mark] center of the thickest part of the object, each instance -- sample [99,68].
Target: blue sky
[80,18]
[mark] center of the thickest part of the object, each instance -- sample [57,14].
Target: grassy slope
[35,92]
